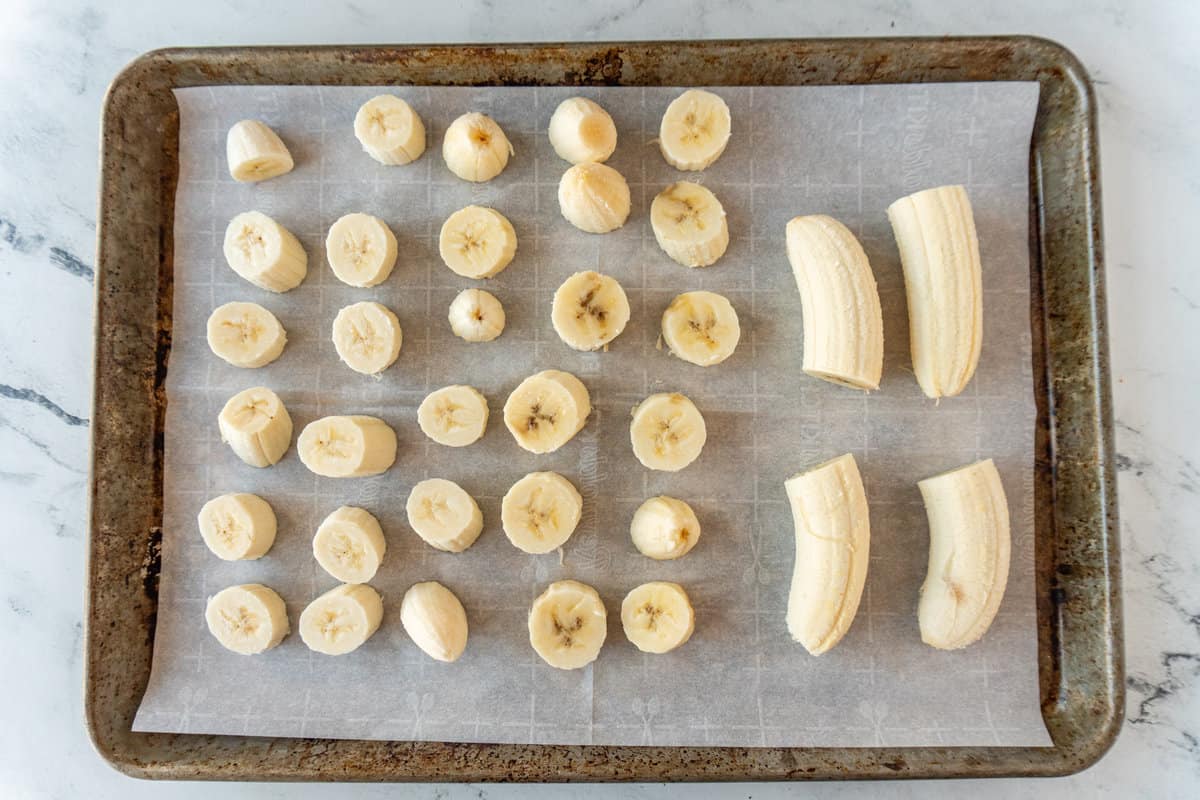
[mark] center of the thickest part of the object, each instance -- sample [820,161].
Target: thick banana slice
[935,231]
[245,335]
[580,131]
[367,337]
[594,197]
[237,527]
[444,515]
[694,130]
[589,310]
[664,528]
[349,545]
[389,130]
[667,432]
[833,542]
[546,410]
[540,512]
[477,242]
[256,426]
[264,252]
[255,152]
[567,625]
[657,617]
[843,324]
[689,224]
[435,620]
[247,619]
[701,328]
[455,416]
[969,552]
[476,316]
[361,250]
[342,619]
[475,148]
[347,447]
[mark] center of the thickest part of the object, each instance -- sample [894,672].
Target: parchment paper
[740,680]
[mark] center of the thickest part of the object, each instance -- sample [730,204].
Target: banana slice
[389,130]
[701,328]
[476,316]
[540,512]
[255,152]
[347,447]
[657,617]
[667,432]
[694,130]
[264,252]
[367,337]
[689,224]
[444,515]
[455,416]
[581,131]
[245,335]
[256,426]
[589,310]
[475,147]
[247,619]
[435,620]
[594,197]
[664,528]
[477,242]
[546,410]
[237,527]
[342,619]
[361,250]
[349,545]
[568,624]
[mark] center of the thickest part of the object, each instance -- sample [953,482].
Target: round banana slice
[435,620]
[264,252]
[237,527]
[701,328]
[567,625]
[540,512]
[389,130]
[475,147]
[361,250]
[689,224]
[594,197]
[256,153]
[342,619]
[349,545]
[581,131]
[455,416]
[347,447]
[367,337]
[247,619]
[444,515]
[546,410]
[476,316]
[256,426]
[657,617]
[477,242]
[589,310]
[664,528]
[245,335]
[694,130]
[667,432]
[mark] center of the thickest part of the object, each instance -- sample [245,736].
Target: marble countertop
[56,59]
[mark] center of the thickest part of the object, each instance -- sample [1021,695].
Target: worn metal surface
[1078,586]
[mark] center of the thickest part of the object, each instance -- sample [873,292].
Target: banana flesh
[657,617]
[667,432]
[475,148]
[477,242]
[546,410]
[256,426]
[589,310]
[247,619]
[264,252]
[568,625]
[455,416]
[695,130]
[540,512]
[256,153]
[341,620]
[435,620]
[701,328]
[349,545]
[237,527]
[245,335]
[347,447]
[594,197]
[367,337]
[689,224]
[476,316]
[444,515]
[582,131]
[664,528]
[361,250]
[389,130]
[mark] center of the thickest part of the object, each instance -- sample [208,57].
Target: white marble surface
[55,61]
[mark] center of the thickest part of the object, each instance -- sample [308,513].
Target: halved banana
[347,447]
[256,426]
[701,328]
[361,250]
[389,130]
[444,515]
[664,528]
[546,410]
[247,619]
[255,152]
[694,130]
[689,224]
[349,544]
[589,310]
[264,252]
[237,527]
[475,147]
[540,512]
[667,432]
[580,131]
[367,337]
[594,197]
[455,416]
[657,617]
[245,335]
[341,620]
[477,242]
[435,620]
[476,316]
[568,624]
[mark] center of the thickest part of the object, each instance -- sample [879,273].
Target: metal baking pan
[1078,579]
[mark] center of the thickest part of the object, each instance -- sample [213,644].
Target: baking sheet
[846,151]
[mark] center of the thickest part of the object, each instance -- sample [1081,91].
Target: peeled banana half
[568,625]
